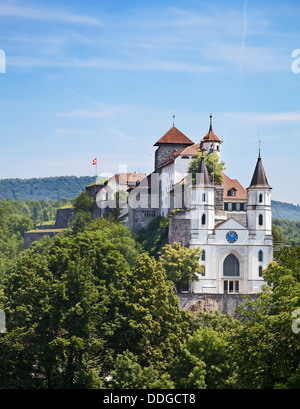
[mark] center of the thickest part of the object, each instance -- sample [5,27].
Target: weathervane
[259,142]
[173,118]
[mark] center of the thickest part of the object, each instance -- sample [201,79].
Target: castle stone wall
[224,303]
[179,229]
[31,236]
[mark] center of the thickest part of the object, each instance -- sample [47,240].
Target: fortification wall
[31,236]
[224,303]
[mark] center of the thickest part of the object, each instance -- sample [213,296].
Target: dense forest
[16,217]
[95,307]
[285,210]
[51,188]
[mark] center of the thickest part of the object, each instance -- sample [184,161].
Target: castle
[232,225]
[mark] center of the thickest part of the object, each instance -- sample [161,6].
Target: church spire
[203,172]
[259,178]
[210,136]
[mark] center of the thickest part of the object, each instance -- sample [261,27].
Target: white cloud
[251,118]
[45,14]
[102,63]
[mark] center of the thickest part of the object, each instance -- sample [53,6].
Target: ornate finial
[259,142]
[173,119]
[210,120]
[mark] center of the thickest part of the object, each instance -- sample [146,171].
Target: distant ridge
[49,188]
[284,210]
[69,187]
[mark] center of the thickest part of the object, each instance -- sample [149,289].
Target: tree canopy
[95,308]
[214,166]
[75,303]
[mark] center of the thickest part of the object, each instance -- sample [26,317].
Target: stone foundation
[224,303]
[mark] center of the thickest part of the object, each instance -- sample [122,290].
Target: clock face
[232,236]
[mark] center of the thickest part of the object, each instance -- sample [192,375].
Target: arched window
[203,255]
[231,266]
[260,269]
[203,197]
[203,219]
[260,220]
[260,255]
[260,198]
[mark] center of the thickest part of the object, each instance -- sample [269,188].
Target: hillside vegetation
[285,210]
[50,188]
[94,310]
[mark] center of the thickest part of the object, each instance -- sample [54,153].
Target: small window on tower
[260,220]
[260,198]
[260,255]
[203,255]
[260,269]
[203,219]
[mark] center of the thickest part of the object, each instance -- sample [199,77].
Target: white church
[232,225]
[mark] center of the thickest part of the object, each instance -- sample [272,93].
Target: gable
[230,224]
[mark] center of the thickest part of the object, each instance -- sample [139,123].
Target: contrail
[244,25]
[244,33]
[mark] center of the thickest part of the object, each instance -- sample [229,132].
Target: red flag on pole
[95,161]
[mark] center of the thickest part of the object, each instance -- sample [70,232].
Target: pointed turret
[210,140]
[259,178]
[259,213]
[203,176]
[210,136]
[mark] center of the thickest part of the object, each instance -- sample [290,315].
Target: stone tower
[173,141]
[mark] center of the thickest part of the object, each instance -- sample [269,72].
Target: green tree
[83,212]
[74,303]
[180,263]
[267,351]
[154,236]
[205,360]
[128,373]
[83,202]
[215,167]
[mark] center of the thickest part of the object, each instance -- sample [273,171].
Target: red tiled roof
[211,136]
[125,178]
[228,184]
[192,150]
[174,136]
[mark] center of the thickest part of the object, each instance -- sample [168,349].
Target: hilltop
[284,210]
[69,187]
[49,188]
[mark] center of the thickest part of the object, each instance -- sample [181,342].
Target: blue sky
[103,79]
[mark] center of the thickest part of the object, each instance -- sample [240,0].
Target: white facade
[236,248]
[253,252]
